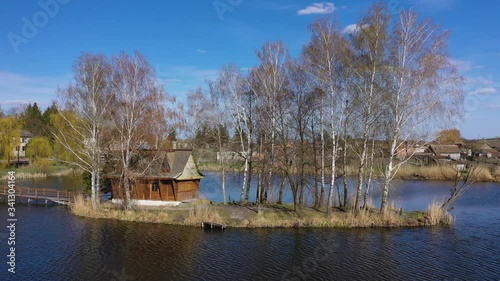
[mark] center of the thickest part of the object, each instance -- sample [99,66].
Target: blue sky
[188,41]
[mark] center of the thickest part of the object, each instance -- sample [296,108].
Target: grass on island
[272,216]
[39,169]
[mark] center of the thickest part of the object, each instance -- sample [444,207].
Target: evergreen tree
[32,120]
[48,126]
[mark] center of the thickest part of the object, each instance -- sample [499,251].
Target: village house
[24,139]
[484,150]
[494,143]
[409,150]
[161,178]
[447,151]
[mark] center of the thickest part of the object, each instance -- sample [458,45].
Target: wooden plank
[212,226]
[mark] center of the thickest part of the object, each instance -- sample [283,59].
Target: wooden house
[160,178]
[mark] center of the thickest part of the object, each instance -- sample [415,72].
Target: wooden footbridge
[46,195]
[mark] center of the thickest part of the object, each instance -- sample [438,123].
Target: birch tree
[424,90]
[369,45]
[302,107]
[324,55]
[81,125]
[270,82]
[137,115]
[232,90]
[207,114]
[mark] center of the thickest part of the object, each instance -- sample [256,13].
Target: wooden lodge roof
[165,164]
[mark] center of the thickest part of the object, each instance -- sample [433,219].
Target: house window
[155,186]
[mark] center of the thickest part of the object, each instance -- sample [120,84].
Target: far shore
[270,216]
[407,172]
[30,173]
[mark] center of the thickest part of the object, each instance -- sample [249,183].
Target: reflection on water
[54,245]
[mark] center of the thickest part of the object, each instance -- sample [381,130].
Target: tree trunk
[322,169]
[92,189]
[344,176]
[98,189]
[245,174]
[315,159]
[370,177]
[334,154]
[282,189]
[388,177]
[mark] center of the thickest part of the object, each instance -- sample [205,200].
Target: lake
[52,244]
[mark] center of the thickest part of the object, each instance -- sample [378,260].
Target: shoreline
[271,216]
[20,174]
[426,173]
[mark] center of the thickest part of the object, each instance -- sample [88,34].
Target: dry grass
[436,215]
[67,172]
[311,218]
[266,218]
[317,219]
[482,173]
[203,213]
[22,175]
[41,172]
[427,172]
[83,208]
[495,171]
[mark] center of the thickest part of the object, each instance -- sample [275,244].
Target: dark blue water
[52,244]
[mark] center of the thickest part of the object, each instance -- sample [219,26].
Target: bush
[42,166]
[39,147]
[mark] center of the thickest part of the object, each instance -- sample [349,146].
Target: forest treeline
[387,83]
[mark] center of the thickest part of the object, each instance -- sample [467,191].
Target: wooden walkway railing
[31,193]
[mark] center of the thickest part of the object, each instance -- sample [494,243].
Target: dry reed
[83,208]
[436,215]
[203,213]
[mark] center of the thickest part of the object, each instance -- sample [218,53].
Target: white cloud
[318,8]
[167,80]
[19,89]
[179,80]
[486,90]
[201,51]
[480,80]
[353,28]
[463,65]
[494,106]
